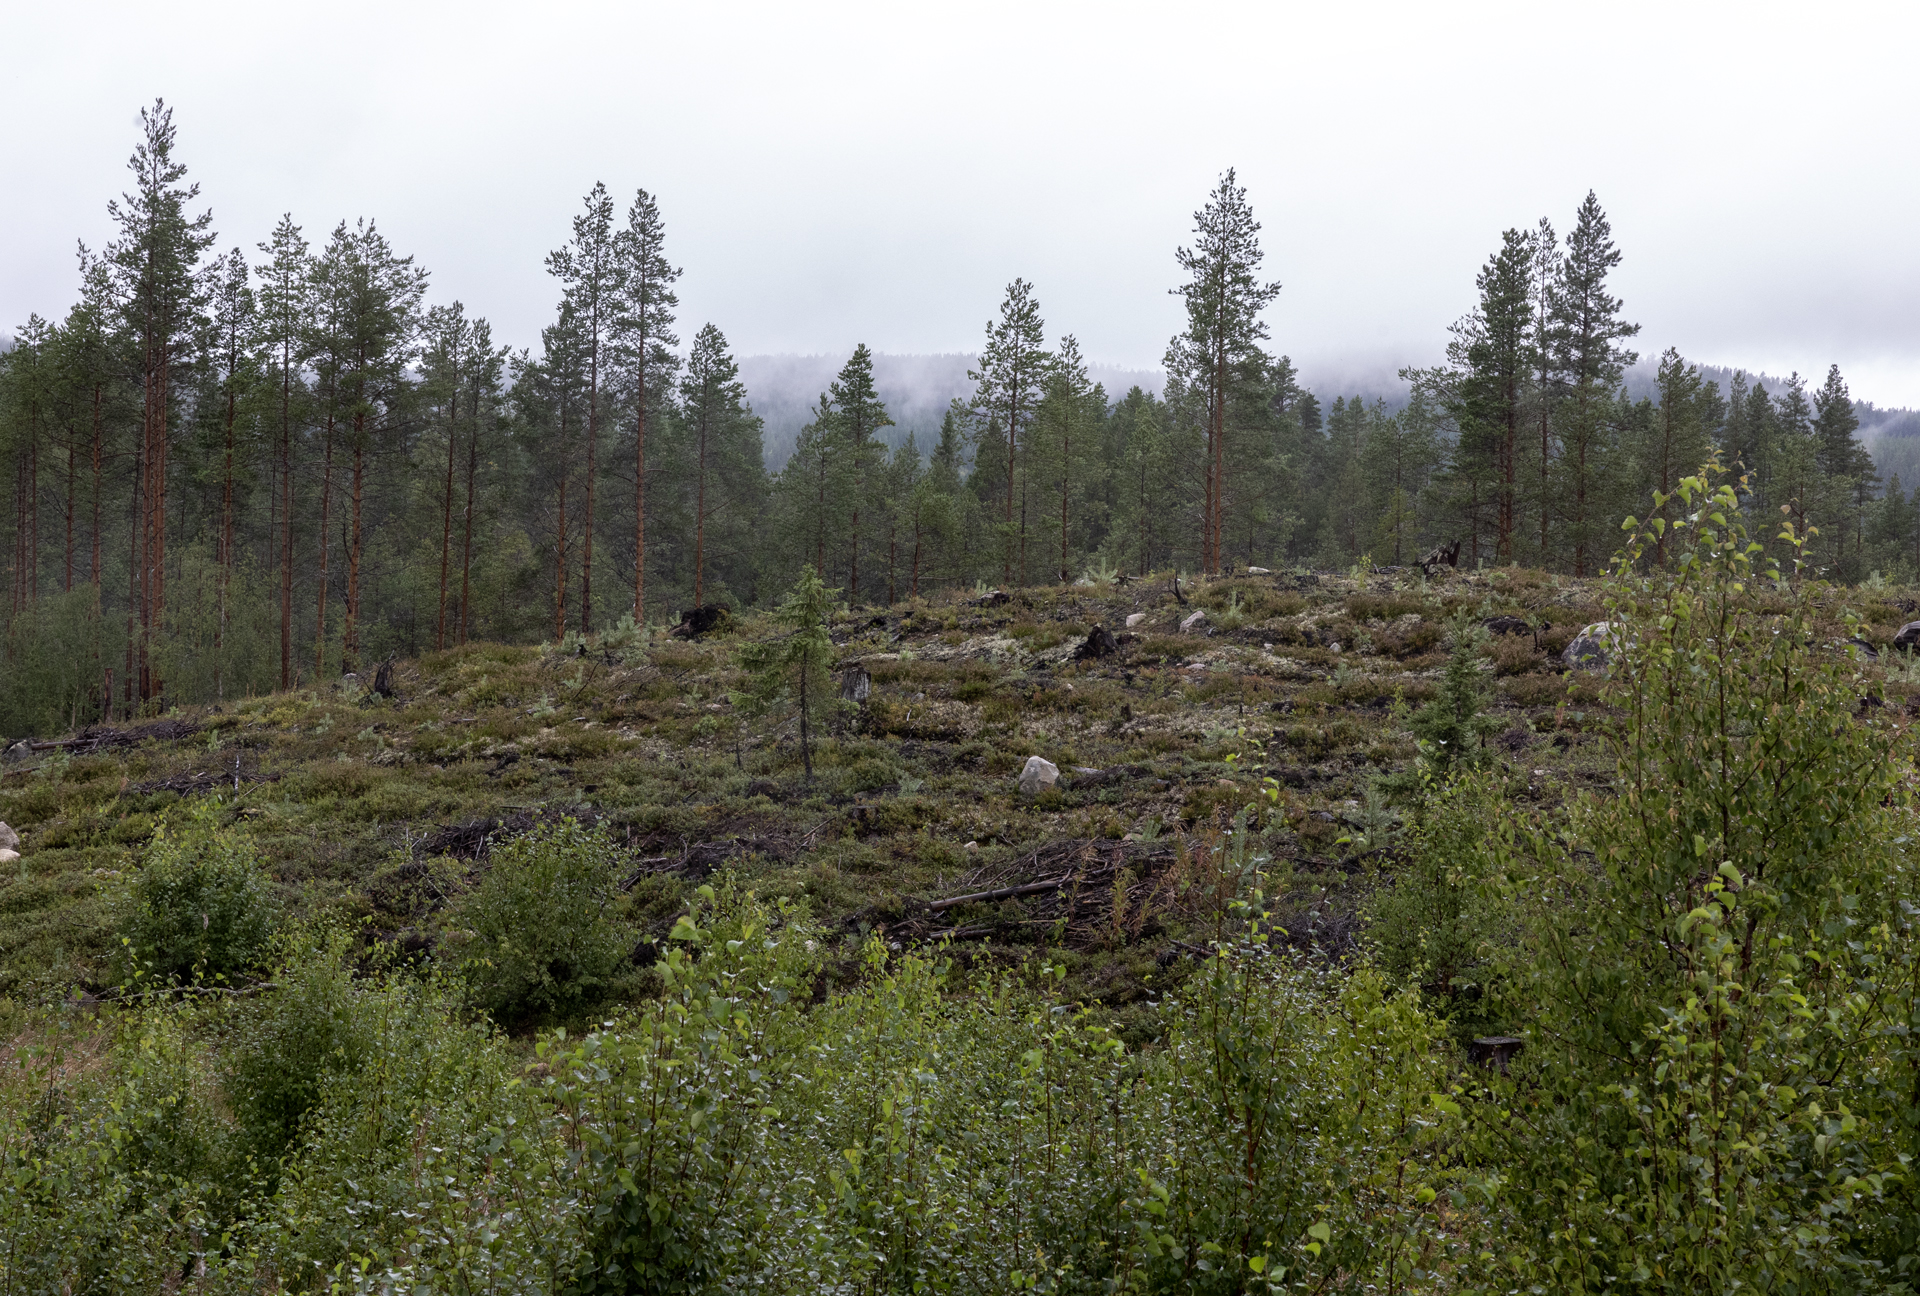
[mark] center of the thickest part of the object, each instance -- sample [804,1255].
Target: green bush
[199,908]
[1436,920]
[420,1121]
[1720,968]
[540,935]
[930,1132]
[97,1146]
[285,1044]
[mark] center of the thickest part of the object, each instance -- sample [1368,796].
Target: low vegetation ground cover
[558,971]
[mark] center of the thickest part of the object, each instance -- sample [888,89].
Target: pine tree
[728,473]
[1848,466]
[591,269]
[858,413]
[1585,335]
[1796,485]
[1491,395]
[1220,347]
[643,331]
[286,283]
[1398,459]
[160,287]
[483,366]
[376,314]
[231,348]
[792,669]
[1682,432]
[552,399]
[1545,260]
[1452,729]
[448,336]
[1008,387]
[1140,537]
[934,508]
[900,480]
[1065,432]
[1338,478]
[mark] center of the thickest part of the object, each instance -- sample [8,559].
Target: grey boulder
[1039,773]
[1592,648]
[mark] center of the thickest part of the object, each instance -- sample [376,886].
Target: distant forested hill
[783,390]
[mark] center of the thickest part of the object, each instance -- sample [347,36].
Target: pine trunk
[700,515]
[350,636]
[326,504]
[446,508]
[586,533]
[286,516]
[466,552]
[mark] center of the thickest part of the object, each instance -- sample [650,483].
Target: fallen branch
[1004,893]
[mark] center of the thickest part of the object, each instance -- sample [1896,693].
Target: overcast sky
[833,173]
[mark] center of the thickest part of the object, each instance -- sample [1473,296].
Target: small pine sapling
[1452,729]
[791,670]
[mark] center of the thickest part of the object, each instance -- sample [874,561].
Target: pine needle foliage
[790,672]
[1452,729]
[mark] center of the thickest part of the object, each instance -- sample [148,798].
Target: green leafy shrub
[924,1132]
[285,1044]
[540,934]
[1720,964]
[421,1122]
[93,1197]
[1435,922]
[199,907]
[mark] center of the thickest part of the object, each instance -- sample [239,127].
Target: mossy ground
[370,808]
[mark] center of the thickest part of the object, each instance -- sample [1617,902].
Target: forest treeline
[239,470]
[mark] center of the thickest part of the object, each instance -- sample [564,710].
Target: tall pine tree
[1586,335]
[1008,387]
[643,333]
[1220,348]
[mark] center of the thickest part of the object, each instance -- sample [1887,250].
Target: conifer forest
[475,821]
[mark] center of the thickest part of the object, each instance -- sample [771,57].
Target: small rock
[1194,621]
[1909,636]
[1039,773]
[1099,643]
[972,846]
[9,839]
[1867,650]
[1259,571]
[992,598]
[8,856]
[1508,625]
[1135,618]
[22,750]
[1334,646]
[856,686]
